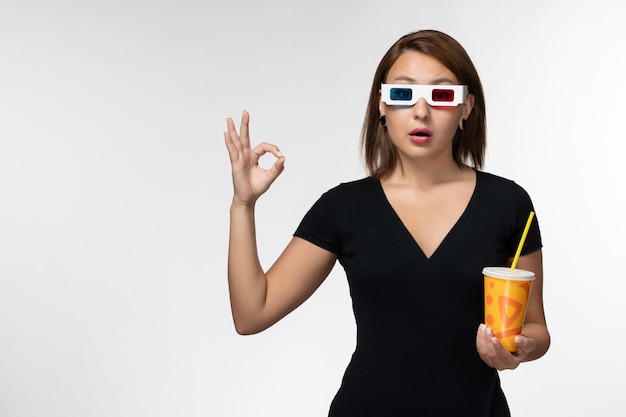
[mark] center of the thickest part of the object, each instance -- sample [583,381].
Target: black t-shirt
[417,317]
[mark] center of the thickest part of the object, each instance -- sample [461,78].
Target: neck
[428,173]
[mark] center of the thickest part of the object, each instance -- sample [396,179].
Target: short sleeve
[523,207]
[320,224]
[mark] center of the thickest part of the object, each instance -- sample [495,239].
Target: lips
[420,135]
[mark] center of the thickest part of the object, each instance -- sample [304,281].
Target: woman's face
[423,131]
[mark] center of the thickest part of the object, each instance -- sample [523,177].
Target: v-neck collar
[460,220]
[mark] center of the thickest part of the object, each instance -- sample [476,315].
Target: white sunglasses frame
[425,91]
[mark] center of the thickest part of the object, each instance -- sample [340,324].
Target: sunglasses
[435,95]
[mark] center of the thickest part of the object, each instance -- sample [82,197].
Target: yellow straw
[521,243]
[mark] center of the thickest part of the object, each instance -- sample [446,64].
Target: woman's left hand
[495,355]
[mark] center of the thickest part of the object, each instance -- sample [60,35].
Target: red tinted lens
[443,95]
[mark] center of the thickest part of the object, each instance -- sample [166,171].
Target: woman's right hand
[250,180]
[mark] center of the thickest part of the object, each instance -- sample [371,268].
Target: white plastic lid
[506,273]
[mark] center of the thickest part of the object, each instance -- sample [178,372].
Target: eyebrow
[434,82]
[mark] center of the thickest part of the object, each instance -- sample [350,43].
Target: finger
[525,345]
[485,338]
[493,346]
[232,133]
[232,149]
[263,148]
[244,129]
[485,347]
[494,341]
[278,167]
[479,337]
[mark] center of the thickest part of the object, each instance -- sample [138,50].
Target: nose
[421,109]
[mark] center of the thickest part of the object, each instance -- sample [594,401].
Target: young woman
[412,237]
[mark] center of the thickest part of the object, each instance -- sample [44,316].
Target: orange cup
[506,297]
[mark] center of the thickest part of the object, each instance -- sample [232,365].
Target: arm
[535,330]
[260,299]
[535,339]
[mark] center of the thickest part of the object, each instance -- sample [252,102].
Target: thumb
[525,344]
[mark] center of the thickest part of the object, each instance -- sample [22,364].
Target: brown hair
[468,145]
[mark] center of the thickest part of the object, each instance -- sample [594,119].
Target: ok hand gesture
[249,179]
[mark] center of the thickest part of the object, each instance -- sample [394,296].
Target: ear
[381,105]
[468,106]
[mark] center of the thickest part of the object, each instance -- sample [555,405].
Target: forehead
[419,68]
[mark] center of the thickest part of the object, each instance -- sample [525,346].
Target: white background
[115,189]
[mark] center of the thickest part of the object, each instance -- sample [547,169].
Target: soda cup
[506,297]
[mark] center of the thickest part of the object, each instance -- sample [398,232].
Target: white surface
[115,187]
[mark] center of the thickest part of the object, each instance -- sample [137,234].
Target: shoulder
[347,195]
[499,192]
[493,179]
[354,188]
[498,184]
